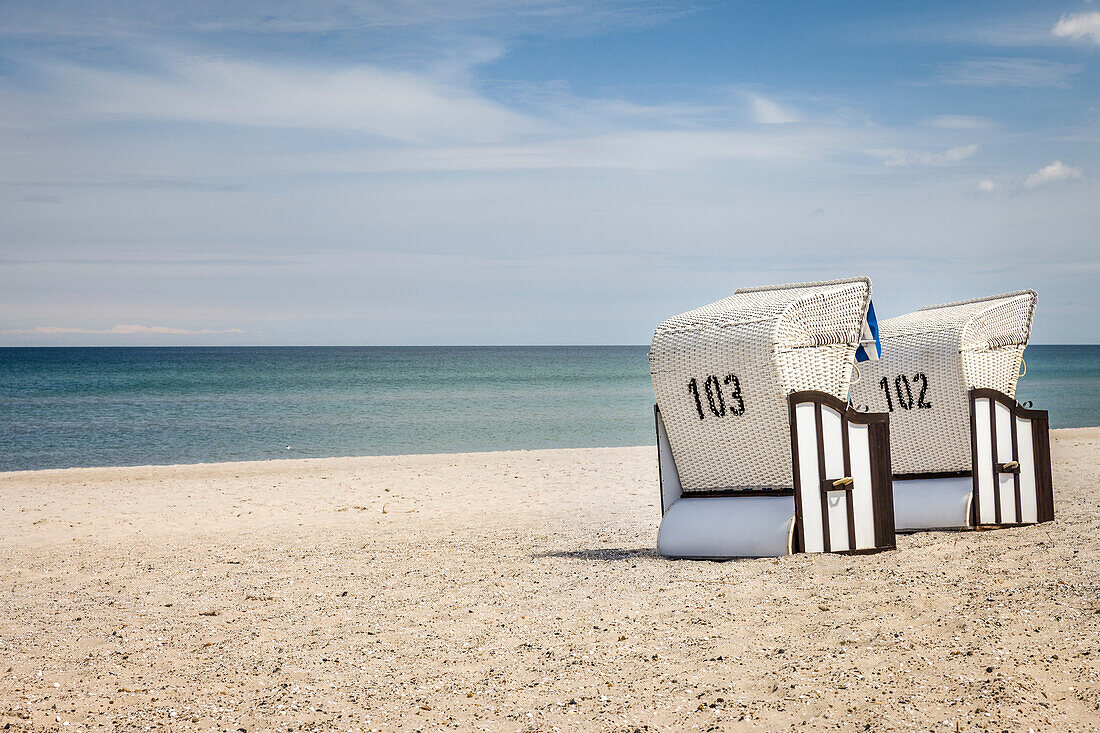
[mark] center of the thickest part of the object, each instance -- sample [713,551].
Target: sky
[533,171]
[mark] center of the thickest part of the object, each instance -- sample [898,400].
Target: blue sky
[540,171]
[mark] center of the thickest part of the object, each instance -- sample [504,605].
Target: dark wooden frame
[1040,451]
[882,490]
[932,475]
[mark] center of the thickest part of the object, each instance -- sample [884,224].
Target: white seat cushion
[722,527]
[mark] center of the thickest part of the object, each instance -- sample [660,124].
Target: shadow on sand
[603,553]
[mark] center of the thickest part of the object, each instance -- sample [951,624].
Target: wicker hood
[931,359]
[722,373]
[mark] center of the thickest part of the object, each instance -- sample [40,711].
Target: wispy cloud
[123,330]
[903,158]
[768,112]
[398,111]
[560,107]
[959,122]
[987,186]
[1056,172]
[1079,26]
[1008,72]
[642,150]
[392,121]
[996,25]
[392,105]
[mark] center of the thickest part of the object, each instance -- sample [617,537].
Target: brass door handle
[833,484]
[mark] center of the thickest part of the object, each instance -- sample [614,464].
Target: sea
[66,407]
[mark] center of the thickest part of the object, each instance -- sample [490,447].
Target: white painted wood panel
[670,477]
[859,452]
[1006,482]
[983,462]
[1029,488]
[809,479]
[836,501]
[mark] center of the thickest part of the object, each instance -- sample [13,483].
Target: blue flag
[870,348]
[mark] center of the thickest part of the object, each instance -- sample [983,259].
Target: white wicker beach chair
[759,452]
[963,452]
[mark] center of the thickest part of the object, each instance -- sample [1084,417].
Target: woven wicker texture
[943,351]
[722,373]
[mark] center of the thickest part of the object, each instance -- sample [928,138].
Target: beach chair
[759,453]
[964,453]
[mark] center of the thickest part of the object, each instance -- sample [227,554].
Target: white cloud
[398,106]
[768,112]
[1054,173]
[556,103]
[1008,72]
[959,122]
[651,150]
[997,27]
[904,158]
[1078,26]
[123,330]
[415,123]
[987,186]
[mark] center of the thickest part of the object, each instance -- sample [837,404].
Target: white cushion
[722,527]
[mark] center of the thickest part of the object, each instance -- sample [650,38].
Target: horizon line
[361,346]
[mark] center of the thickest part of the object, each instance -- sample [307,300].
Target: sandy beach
[518,591]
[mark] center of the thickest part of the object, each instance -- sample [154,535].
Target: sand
[518,591]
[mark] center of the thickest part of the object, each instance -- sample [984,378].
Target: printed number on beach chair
[1011,446]
[843,498]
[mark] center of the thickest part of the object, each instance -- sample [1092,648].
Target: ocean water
[62,407]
